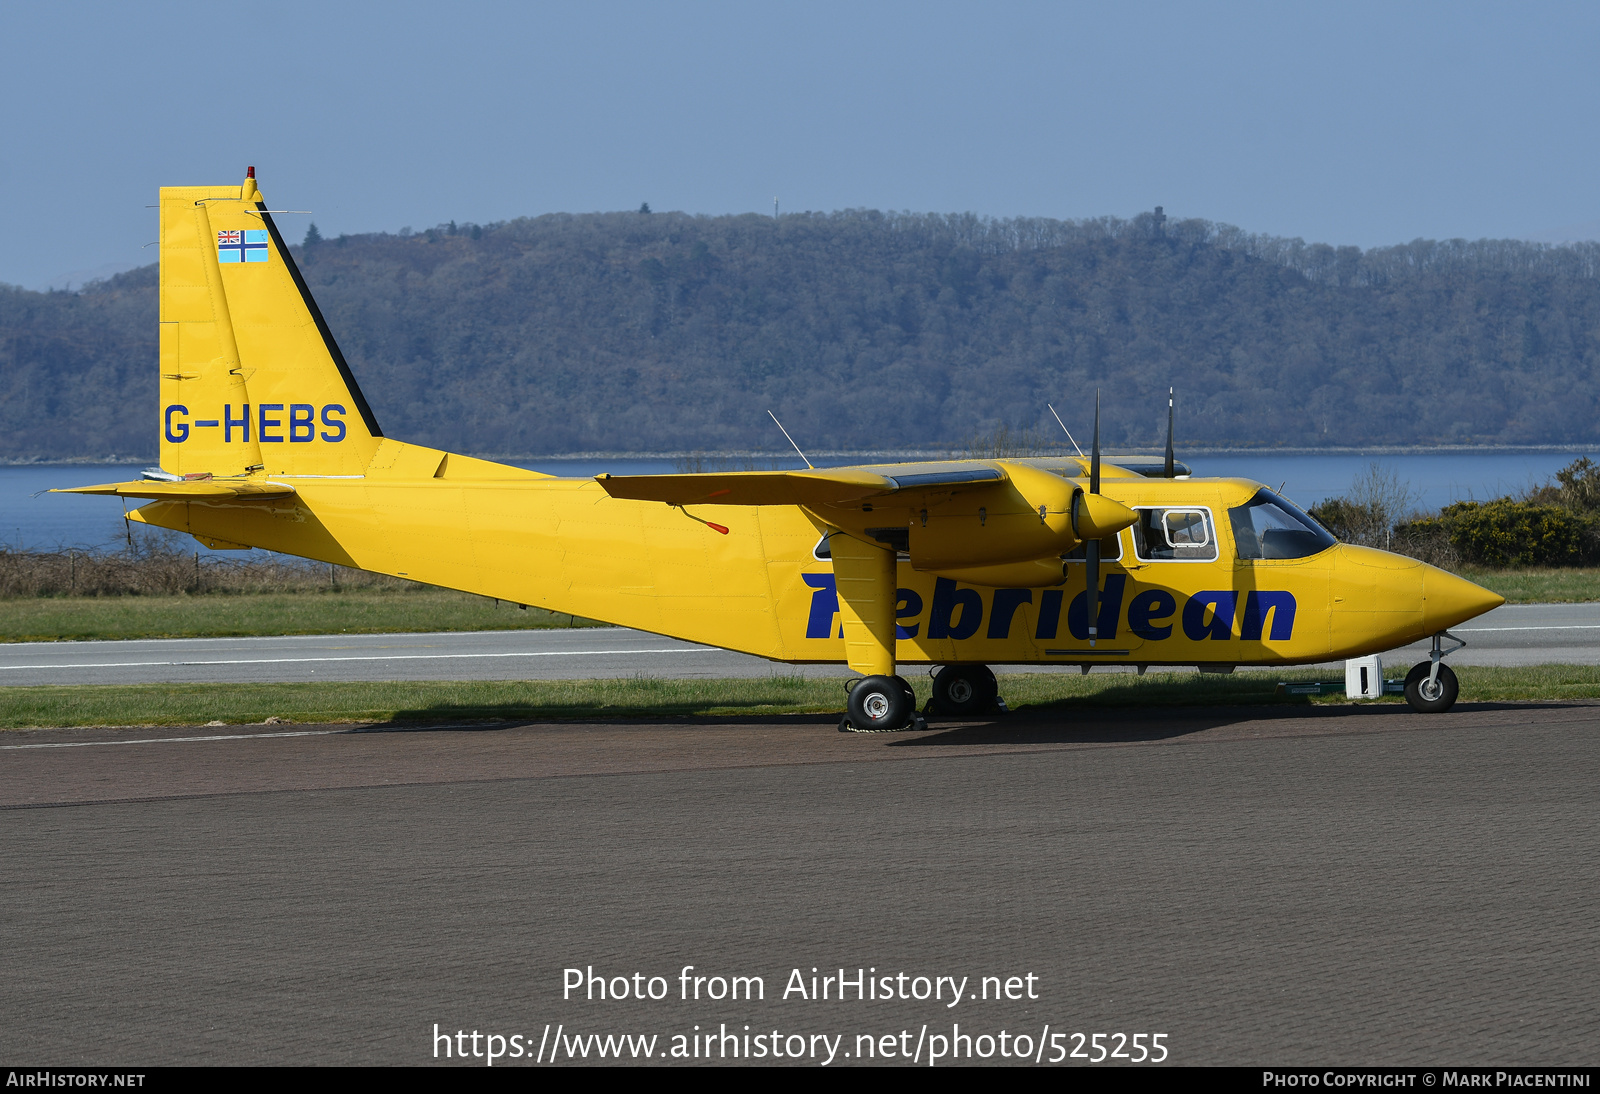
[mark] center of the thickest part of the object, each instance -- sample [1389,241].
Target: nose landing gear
[1431,686]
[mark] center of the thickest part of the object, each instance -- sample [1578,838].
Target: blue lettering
[302,422]
[1256,606]
[229,421]
[909,606]
[1222,603]
[942,619]
[1149,607]
[1110,609]
[262,422]
[1006,603]
[824,605]
[177,408]
[206,423]
[1049,614]
[329,421]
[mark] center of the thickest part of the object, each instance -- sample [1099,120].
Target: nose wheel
[1429,694]
[1431,685]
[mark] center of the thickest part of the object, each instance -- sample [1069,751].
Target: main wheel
[1434,699]
[880,702]
[965,689]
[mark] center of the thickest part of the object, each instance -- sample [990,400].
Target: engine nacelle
[1036,518]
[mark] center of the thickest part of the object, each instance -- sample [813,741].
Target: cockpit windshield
[1271,526]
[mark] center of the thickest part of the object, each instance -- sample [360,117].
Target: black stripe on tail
[322,325]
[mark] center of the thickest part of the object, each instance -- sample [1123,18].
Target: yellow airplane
[266,441]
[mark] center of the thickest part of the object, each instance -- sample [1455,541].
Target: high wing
[825,486]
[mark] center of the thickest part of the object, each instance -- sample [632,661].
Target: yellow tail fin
[251,378]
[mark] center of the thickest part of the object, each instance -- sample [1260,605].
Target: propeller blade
[1169,471]
[1094,452]
[1091,574]
[1091,548]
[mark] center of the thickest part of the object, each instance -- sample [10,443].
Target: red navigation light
[249,172]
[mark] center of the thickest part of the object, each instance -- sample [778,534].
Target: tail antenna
[1065,430]
[790,439]
[1169,470]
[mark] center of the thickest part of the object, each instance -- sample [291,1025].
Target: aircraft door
[1180,601]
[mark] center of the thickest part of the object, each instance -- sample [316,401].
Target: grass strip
[429,700]
[351,611]
[652,697]
[1540,586]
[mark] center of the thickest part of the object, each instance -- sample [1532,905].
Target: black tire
[965,689]
[880,702]
[1417,689]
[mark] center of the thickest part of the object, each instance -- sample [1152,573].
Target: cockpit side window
[1270,526]
[1174,535]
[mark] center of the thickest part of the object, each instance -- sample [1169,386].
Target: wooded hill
[866,330]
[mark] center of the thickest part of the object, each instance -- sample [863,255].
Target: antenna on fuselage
[790,439]
[1064,428]
[1169,469]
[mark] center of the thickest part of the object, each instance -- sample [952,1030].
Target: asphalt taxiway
[1329,885]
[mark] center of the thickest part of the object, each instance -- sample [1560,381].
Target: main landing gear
[1431,686]
[885,704]
[881,704]
[963,690]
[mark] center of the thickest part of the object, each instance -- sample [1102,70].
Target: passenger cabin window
[1269,525]
[1110,551]
[1174,535]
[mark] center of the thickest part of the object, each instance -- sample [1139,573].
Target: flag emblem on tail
[246,246]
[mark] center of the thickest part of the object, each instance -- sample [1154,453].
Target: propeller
[1091,547]
[1169,470]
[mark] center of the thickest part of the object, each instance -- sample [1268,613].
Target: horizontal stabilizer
[186,491]
[817,486]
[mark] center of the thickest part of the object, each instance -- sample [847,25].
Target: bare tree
[1378,500]
[1003,442]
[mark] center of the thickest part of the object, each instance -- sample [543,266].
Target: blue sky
[1365,123]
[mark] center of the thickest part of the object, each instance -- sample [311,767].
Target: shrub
[1512,533]
[156,566]
[1428,539]
[1580,485]
[1351,521]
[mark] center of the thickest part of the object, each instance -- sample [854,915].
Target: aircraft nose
[1448,600]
